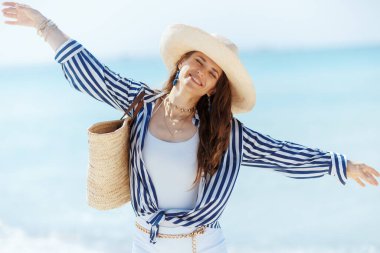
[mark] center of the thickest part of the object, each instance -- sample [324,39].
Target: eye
[211,74]
[199,61]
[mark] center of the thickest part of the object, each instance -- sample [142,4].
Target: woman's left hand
[357,170]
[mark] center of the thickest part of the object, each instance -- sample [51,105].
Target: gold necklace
[176,131]
[173,122]
[192,109]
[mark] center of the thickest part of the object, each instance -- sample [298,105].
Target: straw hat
[179,39]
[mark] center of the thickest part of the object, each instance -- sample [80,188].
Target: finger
[9,3]
[10,15]
[11,9]
[11,22]
[359,182]
[373,171]
[371,178]
[368,178]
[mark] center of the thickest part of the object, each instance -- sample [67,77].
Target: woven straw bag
[108,169]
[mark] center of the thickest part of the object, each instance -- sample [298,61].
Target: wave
[16,240]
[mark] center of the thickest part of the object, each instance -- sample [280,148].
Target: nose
[200,72]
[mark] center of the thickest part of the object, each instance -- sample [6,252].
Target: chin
[196,90]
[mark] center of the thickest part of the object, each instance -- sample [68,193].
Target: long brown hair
[215,126]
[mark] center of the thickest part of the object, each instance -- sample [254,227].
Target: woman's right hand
[24,15]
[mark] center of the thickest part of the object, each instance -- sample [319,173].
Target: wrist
[39,21]
[348,169]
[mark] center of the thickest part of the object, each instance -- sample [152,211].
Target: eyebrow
[203,59]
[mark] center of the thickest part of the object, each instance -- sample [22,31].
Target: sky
[126,28]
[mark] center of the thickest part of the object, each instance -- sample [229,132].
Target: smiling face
[199,74]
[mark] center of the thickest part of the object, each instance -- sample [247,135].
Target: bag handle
[139,100]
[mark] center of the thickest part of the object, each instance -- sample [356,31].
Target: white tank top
[172,167]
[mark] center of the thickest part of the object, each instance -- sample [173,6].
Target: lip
[199,84]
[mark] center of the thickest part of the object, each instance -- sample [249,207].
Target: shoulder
[236,128]
[149,91]
[236,123]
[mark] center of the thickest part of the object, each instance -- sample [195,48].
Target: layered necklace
[171,124]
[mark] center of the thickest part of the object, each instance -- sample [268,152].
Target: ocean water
[327,99]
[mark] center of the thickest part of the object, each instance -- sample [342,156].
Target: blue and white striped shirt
[247,147]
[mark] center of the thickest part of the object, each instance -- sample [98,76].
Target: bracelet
[45,27]
[42,23]
[53,26]
[42,26]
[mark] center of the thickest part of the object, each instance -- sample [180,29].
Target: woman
[186,146]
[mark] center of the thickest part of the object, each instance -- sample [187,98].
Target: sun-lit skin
[198,76]
[358,171]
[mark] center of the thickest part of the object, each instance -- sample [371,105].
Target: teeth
[196,80]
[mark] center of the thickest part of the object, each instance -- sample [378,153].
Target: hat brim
[179,39]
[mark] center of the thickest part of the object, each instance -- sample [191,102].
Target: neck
[183,100]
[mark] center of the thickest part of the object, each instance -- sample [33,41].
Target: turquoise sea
[329,99]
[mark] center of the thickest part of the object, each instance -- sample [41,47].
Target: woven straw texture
[108,171]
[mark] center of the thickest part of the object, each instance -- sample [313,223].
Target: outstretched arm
[88,75]
[298,161]
[81,69]
[291,159]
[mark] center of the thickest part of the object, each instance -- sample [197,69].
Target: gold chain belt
[199,231]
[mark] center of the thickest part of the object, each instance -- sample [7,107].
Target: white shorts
[211,241]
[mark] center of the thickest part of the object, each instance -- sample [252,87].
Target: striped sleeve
[294,160]
[87,75]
